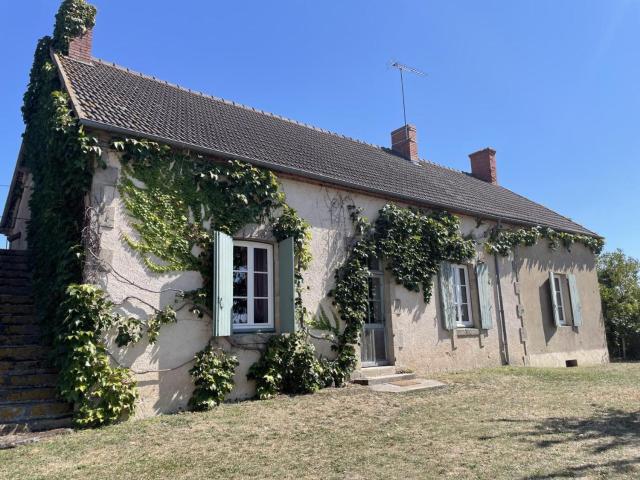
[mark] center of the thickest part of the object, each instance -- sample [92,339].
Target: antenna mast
[404,68]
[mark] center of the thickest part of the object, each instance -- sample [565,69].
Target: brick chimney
[80,47]
[483,165]
[404,142]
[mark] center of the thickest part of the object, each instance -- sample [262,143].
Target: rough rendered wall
[415,336]
[548,345]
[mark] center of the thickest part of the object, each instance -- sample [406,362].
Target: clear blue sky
[553,86]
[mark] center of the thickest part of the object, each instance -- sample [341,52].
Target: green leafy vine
[413,243]
[502,241]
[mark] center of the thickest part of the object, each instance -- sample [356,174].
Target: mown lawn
[499,423]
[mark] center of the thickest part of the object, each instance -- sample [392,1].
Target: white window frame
[250,325]
[457,297]
[557,291]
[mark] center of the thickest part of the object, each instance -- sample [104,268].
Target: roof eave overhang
[308,175]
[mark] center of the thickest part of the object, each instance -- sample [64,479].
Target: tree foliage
[619,277]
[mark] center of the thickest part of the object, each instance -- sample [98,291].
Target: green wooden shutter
[222,284]
[484,295]
[554,299]
[576,306]
[286,277]
[447,296]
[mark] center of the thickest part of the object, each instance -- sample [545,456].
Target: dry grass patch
[499,423]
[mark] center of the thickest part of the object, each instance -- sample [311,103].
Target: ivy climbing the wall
[101,393]
[413,243]
[177,198]
[502,241]
[61,158]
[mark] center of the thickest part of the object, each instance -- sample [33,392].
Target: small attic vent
[571,363]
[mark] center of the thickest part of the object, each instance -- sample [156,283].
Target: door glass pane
[239,311]
[260,263]
[240,258]
[261,311]
[239,284]
[375,312]
[260,285]
[375,288]
[380,353]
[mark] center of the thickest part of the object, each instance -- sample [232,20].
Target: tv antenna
[404,68]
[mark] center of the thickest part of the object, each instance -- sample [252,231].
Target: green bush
[289,365]
[213,378]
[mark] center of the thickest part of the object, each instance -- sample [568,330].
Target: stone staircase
[28,397]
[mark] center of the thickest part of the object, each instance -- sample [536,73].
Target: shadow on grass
[602,432]
[619,467]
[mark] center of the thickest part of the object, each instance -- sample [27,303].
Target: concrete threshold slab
[407,385]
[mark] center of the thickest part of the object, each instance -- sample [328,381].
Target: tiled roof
[118,100]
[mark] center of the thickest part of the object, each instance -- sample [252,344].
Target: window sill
[468,332]
[252,337]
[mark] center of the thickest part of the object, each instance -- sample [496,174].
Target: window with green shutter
[252,269]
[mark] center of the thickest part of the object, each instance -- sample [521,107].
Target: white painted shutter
[576,306]
[554,299]
[484,294]
[222,284]
[447,296]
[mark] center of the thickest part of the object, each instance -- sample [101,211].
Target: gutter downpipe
[503,323]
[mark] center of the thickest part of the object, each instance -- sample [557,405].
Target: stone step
[10,299]
[37,425]
[15,282]
[17,412]
[14,253]
[15,267]
[30,378]
[18,319]
[11,394]
[13,290]
[16,309]
[367,372]
[13,259]
[14,339]
[17,366]
[377,380]
[20,328]
[22,352]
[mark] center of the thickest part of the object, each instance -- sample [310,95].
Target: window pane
[260,263]
[240,258]
[463,294]
[239,311]
[260,285]
[261,311]
[465,313]
[239,284]
[462,276]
